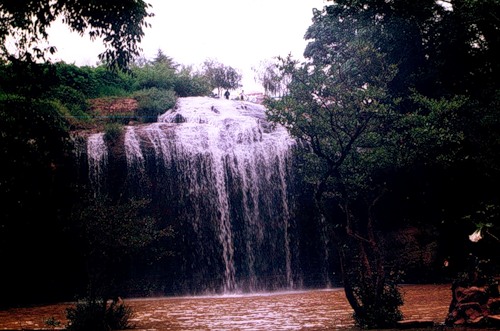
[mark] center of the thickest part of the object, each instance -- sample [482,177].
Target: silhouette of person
[227,94]
[242,95]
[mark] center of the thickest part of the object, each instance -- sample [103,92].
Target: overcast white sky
[237,33]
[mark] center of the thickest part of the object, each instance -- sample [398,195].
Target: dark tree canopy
[441,48]
[119,23]
[392,102]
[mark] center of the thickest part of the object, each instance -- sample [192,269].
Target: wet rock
[493,320]
[178,118]
[475,306]
[471,294]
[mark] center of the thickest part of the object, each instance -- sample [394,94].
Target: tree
[366,124]
[191,83]
[339,105]
[153,74]
[221,77]
[34,181]
[119,23]
[269,75]
[157,73]
[342,113]
[441,47]
[162,58]
[112,236]
[396,28]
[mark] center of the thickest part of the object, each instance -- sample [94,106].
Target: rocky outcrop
[475,306]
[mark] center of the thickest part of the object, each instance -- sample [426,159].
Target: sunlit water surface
[308,310]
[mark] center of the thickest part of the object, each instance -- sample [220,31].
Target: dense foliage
[97,315]
[34,145]
[41,104]
[396,106]
[114,236]
[119,26]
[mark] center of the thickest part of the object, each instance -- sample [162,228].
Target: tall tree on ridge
[220,76]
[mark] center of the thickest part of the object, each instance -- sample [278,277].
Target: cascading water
[97,160]
[224,174]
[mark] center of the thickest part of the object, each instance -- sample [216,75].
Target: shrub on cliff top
[153,102]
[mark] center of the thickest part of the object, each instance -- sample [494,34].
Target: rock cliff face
[475,306]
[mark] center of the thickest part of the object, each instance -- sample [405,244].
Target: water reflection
[309,310]
[283,311]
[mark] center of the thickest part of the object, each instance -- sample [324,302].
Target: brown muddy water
[301,310]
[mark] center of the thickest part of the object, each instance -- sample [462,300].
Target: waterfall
[223,175]
[133,150]
[98,159]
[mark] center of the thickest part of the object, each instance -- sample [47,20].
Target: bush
[97,315]
[111,83]
[153,102]
[112,132]
[72,99]
[187,85]
[379,311]
[158,75]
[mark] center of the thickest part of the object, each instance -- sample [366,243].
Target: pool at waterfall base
[296,310]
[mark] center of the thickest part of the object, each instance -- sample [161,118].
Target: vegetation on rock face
[153,102]
[114,236]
